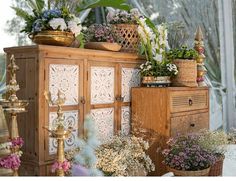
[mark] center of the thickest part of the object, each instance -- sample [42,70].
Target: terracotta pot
[204,172]
[57,38]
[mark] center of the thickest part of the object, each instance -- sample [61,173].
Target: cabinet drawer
[189,124]
[188,100]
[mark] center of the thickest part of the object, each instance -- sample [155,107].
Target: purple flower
[10,162]
[17,142]
[78,170]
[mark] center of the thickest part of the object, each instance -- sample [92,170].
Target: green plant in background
[181,53]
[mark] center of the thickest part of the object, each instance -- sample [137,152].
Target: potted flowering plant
[158,69]
[125,26]
[52,26]
[215,142]
[186,157]
[185,59]
[101,37]
[124,156]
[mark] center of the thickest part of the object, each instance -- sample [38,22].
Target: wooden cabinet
[170,111]
[93,81]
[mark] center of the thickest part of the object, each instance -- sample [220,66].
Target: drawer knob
[190,102]
[192,125]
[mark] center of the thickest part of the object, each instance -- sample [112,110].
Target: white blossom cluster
[123,156]
[154,41]
[12,87]
[73,25]
[172,68]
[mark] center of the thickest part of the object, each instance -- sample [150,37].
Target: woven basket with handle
[204,172]
[187,75]
[217,168]
[128,37]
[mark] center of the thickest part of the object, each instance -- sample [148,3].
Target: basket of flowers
[101,37]
[185,157]
[125,27]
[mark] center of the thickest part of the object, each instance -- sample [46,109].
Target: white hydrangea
[74,27]
[58,23]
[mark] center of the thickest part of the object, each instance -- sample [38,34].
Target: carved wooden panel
[130,78]
[189,124]
[125,120]
[104,123]
[64,78]
[102,85]
[71,120]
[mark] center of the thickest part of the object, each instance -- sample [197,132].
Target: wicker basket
[217,168]
[187,76]
[128,37]
[185,173]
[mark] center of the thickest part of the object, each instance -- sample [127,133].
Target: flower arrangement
[100,33]
[182,53]
[185,153]
[123,156]
[42,18]
[10,162]
[65,166]
[123,17]
[154,44]
[17,142]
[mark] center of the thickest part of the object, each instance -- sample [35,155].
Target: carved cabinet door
[66,76]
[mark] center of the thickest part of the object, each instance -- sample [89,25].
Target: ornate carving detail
[125,120]
[104,123]
[64,78]
[102,85]
[71,120]
[130,78]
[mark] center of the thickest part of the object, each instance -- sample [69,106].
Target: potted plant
[125,25]
[215,142]
[185,157]
[101,37]
[50,25]
[124,156]
[185,60]
[158,69]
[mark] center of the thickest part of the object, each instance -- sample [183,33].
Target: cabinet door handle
[82,100]
[192,125]
[120,98]
[190,102]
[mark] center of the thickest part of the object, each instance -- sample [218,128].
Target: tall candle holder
[199,47]
[59,132]
[12,105]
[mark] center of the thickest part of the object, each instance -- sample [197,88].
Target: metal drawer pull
[192,125]
[190,102]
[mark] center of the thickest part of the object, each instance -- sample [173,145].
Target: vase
[6,172]
[217,167]
[128,37]
[204,172]
[161,81]
[187,75]
[57,38]
[115,47]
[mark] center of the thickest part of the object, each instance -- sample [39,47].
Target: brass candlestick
[199,47]
[59,133]
[11,105]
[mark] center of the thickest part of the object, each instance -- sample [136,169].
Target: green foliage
[117,4]
[182,53]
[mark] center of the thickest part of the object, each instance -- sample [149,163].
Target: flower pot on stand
[204,172]
[57,38]
[187,74]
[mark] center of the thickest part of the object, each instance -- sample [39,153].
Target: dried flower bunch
[213,141]
[122,156]
[123,17]
[47,18]
[100,33]
[185,153]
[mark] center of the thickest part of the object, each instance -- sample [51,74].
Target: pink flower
[57,165]
[10,162]
[17,142]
